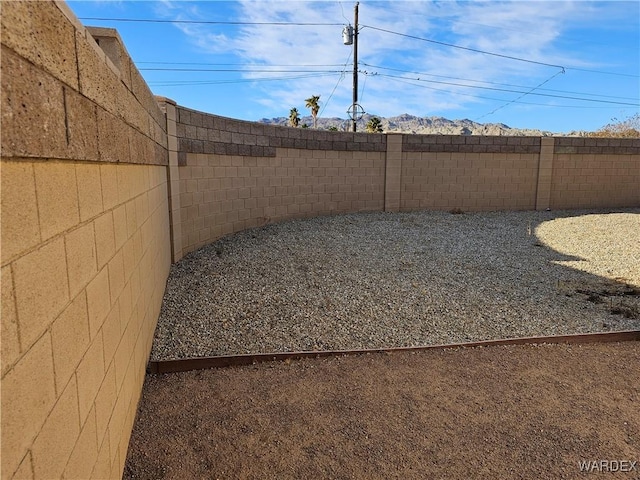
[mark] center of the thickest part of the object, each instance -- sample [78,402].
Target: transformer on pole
[347,35]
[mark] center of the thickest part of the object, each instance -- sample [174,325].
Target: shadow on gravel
[619,291]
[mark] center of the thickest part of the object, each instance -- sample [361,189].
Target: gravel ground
[373,280]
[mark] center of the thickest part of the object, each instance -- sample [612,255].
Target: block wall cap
[165,100]
[104,32]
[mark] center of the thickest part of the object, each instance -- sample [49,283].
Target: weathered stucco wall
[85,243]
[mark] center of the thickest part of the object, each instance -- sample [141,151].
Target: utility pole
[355,68]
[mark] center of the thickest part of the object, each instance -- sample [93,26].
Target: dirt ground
[486,412]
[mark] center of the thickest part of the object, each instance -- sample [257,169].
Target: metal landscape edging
[199,363]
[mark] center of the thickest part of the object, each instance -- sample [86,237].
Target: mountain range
[406,123]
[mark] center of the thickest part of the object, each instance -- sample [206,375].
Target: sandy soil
[487,412]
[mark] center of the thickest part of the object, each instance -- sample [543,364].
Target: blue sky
[575,64]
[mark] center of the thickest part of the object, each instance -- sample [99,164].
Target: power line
[271,68]
[521,96]
[344,70]
[464,48]
[361,96]
[177,83]
[501,55]
[495,83]
[342,12]
[407,82]
[211,22]
[243,64]
[604,73]
[507,90]
[244,70]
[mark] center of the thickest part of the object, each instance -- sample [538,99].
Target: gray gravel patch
[372,280]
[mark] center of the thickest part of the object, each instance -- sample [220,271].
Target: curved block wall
[235,175]
[103,185]
[228,175]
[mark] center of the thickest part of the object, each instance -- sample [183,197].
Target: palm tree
[374,125]
[294,117]
[312,103]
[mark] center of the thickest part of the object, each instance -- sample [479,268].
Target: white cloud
[524,29]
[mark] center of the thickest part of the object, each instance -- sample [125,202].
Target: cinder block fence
[230,175]
[104,185]
[85,243]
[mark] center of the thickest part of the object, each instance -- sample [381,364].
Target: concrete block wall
[470,173]
[85,246]
[232,175]
[235,175]
[469,181]
[519,173]
[222,194]
[595,172]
